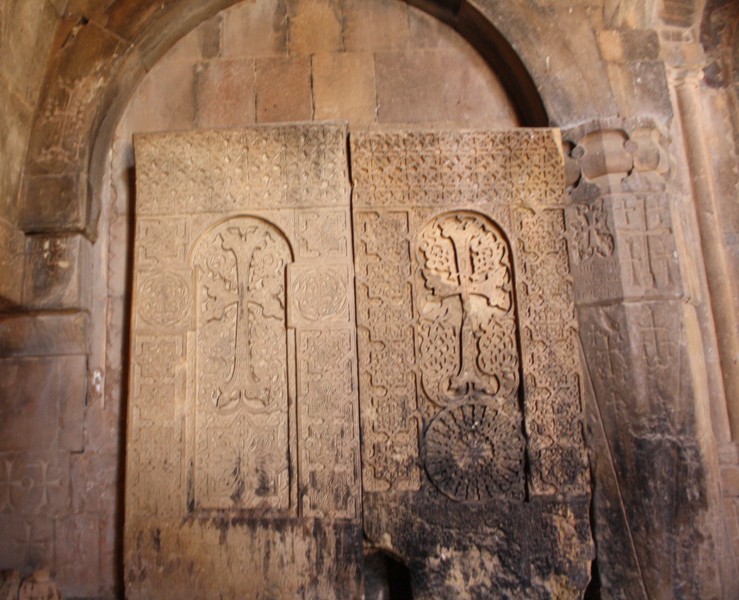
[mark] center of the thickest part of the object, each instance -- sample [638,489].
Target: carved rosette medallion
[242,397]
[475,452]
[163,298]
[467,321]
[319,294]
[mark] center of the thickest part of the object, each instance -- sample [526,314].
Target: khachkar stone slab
[243,432]
[468,362]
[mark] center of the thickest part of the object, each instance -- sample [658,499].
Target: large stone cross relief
[242,282]
[249,352]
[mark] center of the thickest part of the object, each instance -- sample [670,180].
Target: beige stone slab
[225,93]
[245,34]
[242,394]
[284,89]
[440,85]
[315,26]
[344,87]
[375,25]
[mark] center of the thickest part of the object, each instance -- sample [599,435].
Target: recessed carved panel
[464,296]
[241,416]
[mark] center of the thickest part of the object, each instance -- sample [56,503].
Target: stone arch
[102,57]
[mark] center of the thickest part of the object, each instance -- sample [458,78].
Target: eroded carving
[390,421]
[164,298]
[591,234]
[241,416]
[475,452]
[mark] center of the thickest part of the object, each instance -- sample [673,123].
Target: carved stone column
[651,497]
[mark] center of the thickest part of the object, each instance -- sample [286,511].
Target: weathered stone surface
[43,402]
[10,583]
[315,26]
[28,541]
[39,586]
[370,25]
[344,87]
[26,30]
[40,334]
[77,555]
[247,433]
[225,93]
[155,110]
[245,34]
[430,85]
[440,383]
[53,203]
[274,77]
[12,244]
[15,120]
[56,273]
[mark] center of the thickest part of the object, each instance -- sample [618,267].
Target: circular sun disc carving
[474,452]
[164,299]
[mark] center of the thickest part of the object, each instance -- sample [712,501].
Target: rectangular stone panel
[428,206]
[243,389]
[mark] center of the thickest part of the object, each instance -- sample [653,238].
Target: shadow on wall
[386,578]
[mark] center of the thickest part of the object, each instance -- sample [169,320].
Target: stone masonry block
[375,25]
[34,484]
[244,33]
[439,85]
[42,402]
[224,93]
[12,243]
[27,543]
[53,203]
[43,334]
[151,110]
[628,45]
[641,88]
[344,87]
[315,26]
[283,89]
[57,271]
